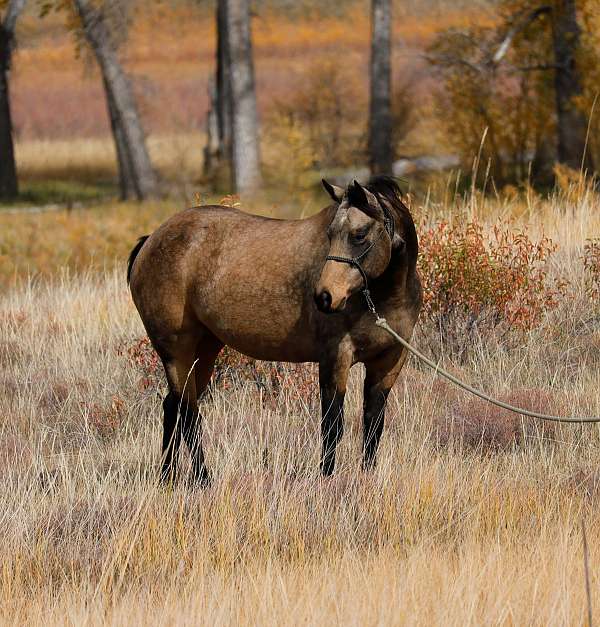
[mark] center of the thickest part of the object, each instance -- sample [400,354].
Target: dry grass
[441,533]
[175,155]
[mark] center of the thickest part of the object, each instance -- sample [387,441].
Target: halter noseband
[388,223]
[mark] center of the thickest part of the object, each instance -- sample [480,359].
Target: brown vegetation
[479,282]
[463,495]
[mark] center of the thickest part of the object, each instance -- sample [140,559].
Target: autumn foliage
[476,280]
[231,369]
[591,263]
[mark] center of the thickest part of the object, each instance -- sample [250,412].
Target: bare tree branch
[540,67]
[450,60]
[518,27]
[13,10]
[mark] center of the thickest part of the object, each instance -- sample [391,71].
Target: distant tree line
[497,82]
[515,93]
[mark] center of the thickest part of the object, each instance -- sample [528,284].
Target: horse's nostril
[323,300]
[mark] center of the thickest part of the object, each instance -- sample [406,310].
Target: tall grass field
[472,516]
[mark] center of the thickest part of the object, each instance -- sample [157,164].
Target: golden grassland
[443,532]
[37,243]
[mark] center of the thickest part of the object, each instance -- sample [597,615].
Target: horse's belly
[272,348]
[282,352]
[264,312]
[264,335]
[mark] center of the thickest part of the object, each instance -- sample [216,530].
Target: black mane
[387,188]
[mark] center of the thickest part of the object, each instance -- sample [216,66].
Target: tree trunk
[127,185]
[223,85]
[130,142]
[572,122]
[244,116]
[212,148]
[8,170]
[9,187]
[217,150]
[380,110]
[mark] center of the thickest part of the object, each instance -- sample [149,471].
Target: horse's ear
[334,191]
[361,198]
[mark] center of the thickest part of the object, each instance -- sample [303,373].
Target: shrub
[511,107]
[143,357]
[323,122]
[474,282]
[591,263]
[479,425]
[270,378]
[322,118]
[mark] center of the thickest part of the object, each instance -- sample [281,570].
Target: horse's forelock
[388,188]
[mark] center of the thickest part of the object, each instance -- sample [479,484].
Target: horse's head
[361,237]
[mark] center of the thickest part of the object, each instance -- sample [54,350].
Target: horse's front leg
[333,377]
[380,376]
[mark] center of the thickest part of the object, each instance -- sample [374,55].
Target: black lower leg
[171,438]
[373,419]
[332,427]
[192,434]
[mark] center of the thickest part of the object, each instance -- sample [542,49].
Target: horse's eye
[359,238]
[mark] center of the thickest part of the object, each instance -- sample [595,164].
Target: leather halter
[388,223]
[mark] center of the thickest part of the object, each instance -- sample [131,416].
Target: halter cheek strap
[355,263]
[388,223]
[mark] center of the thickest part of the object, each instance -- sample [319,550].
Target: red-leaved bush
[591,264]
[233,367]
[142,355]
[474,281]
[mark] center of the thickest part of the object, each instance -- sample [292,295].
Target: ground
[471,517]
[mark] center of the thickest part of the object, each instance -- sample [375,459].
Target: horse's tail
[133,254]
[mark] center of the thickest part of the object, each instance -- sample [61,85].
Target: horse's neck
[399,273]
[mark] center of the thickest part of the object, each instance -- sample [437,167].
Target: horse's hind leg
[171,437]
[206,353]
[188,368]
[180,403]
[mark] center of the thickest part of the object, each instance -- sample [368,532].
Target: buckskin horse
[280,290]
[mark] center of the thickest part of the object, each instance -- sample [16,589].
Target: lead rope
[382,322]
